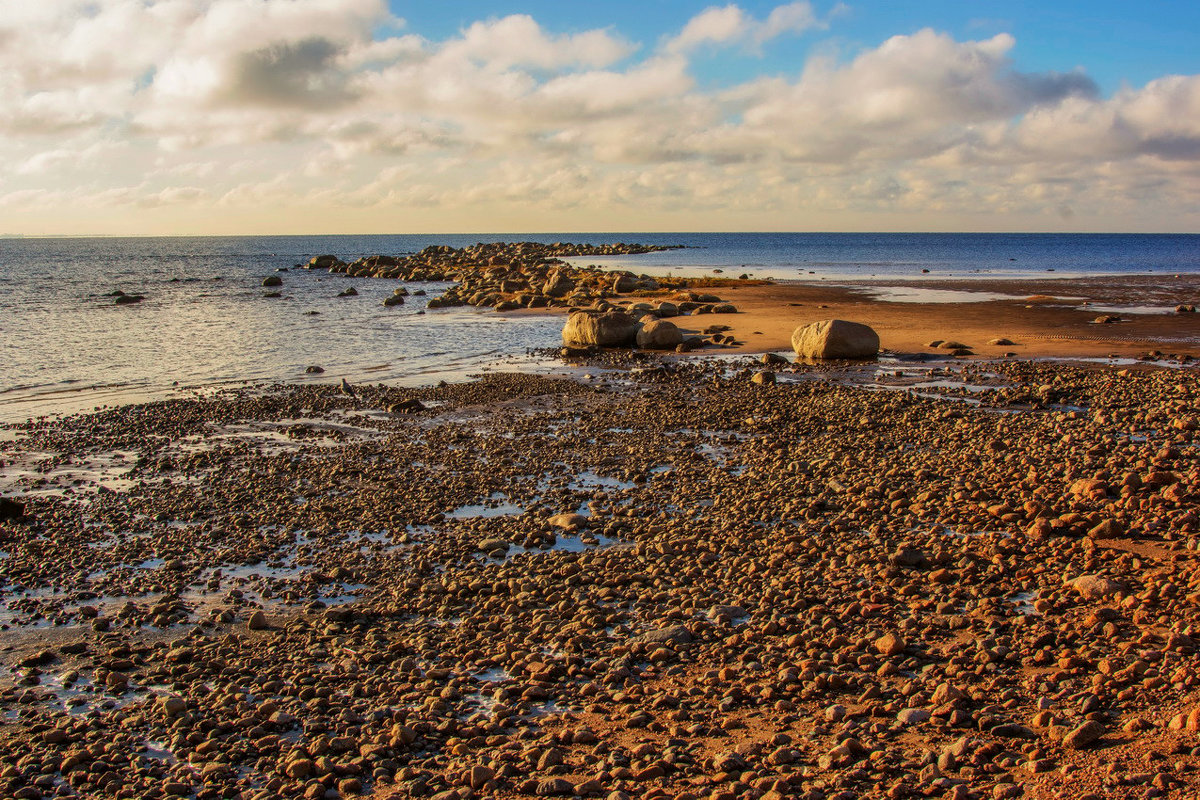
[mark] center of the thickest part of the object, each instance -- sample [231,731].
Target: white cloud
[717,25]
[724,25]
[790,18]
[518,40]
[219,106]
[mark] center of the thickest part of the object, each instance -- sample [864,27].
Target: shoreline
[1042,328]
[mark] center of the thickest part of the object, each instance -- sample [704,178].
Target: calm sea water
[65,346]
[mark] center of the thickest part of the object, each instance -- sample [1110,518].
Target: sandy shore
[957,579]
[1044,319]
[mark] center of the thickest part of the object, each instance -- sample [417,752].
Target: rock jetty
[510,276]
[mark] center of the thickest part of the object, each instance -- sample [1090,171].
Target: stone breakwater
[977,581]
[511,276]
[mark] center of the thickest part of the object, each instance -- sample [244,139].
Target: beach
[627,573]
[1042,318]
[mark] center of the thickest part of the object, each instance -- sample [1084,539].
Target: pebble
[769,598]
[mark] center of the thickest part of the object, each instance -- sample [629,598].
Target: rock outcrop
[508,276]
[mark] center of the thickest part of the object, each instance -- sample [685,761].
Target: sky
[209,117]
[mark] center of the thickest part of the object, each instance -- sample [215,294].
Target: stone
[172,705]
[569,522]
[623,284]
[1108,529]
[314,370]
[913,716]
[610,329]
[763,378]
[1083,735]
[257,621]
[272,280]
[947,693]
[890,644]
[676,634]
[1090,489]
[908,557]
[479,775]
[835,339]
[1095,587]
[324,262]
[554,787]
[659,334]
[11,509]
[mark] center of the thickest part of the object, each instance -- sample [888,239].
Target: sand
[1041,322]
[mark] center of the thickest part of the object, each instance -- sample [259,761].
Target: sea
[66,347]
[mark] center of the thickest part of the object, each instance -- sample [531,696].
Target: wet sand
[657,578]
[1050,318]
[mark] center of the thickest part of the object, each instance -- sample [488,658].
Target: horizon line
[4,236]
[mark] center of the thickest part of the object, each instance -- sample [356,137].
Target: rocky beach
[789,400]
[967,569]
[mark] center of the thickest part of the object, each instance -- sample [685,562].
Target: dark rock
[11,509]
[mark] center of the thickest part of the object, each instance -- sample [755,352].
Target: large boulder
[623,284]
[610,329]
[835,338]
[557,285]
[658,334]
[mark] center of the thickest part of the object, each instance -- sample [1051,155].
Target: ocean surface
[65,346]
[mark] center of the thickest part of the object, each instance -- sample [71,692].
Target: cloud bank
[238,115]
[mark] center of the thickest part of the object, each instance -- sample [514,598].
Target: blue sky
[376,116]
[1116,41]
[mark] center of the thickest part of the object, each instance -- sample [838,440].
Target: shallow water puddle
[934,383]
[1023,602]
[78,697]
[268,586]
[279,436]
[36,473]
[493,675]
[924,295]
[495,505]
[589,480]
[563,543]
[158,751]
